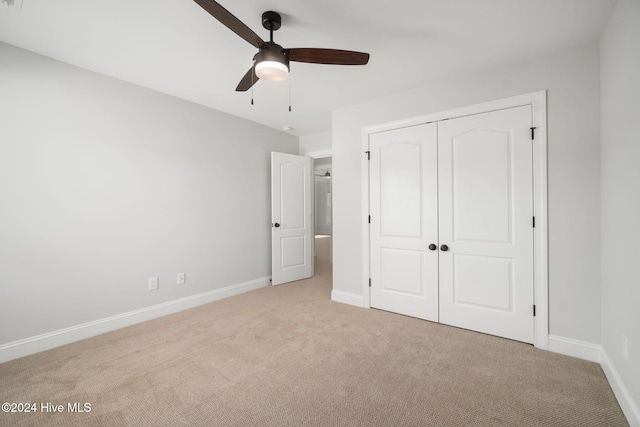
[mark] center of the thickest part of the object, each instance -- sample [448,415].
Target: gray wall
[620,77]
[572,80]
[104,184]
[315,142]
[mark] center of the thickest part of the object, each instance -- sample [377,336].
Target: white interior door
[404,221]
[486,211]
[291,218]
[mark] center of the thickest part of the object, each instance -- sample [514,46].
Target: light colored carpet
[288,356]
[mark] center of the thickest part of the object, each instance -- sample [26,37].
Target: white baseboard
[625,400]
[347,298]
[575,348]
[31,345]
[595,353]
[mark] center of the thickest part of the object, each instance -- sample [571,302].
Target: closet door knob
[433,247]
[276,225]
[444,248]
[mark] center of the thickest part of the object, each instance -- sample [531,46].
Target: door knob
[444,248]
[433,247]
[276,225]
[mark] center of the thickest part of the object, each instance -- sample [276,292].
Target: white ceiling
[175,47]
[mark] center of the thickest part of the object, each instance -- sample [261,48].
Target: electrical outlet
[182,278]
[625,347]
[153,283]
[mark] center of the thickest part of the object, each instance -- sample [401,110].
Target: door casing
[538,102]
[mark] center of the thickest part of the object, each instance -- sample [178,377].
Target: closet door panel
[403,198]
[485,220]
[480,175]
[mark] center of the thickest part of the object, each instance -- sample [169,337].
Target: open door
[291,218]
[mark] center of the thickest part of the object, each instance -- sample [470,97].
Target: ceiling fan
[272,60]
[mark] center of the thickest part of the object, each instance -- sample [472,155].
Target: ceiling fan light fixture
[271,63]
[273,71]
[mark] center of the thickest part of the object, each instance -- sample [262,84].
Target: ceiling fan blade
[248,80]
[327,56]
[233,23]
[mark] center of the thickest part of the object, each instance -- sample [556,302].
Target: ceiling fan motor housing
[273,52]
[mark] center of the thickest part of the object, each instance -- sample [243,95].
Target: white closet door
[404,221]
[485,212]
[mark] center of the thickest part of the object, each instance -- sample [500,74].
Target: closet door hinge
[534,309]
[533,221]
[368,153]
[369,219]
[369,281]
[533,133]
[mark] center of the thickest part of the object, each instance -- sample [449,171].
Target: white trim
[575,348]
[27,346]
[321,154]
[346,298]
[366,209]
[538,102]
[541,232]
[625,399]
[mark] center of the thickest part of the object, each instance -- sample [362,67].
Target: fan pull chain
[252,83]
[289,92]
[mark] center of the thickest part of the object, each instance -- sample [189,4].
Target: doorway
[323,206]
[323,201]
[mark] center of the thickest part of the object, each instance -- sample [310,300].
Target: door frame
[538,103]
